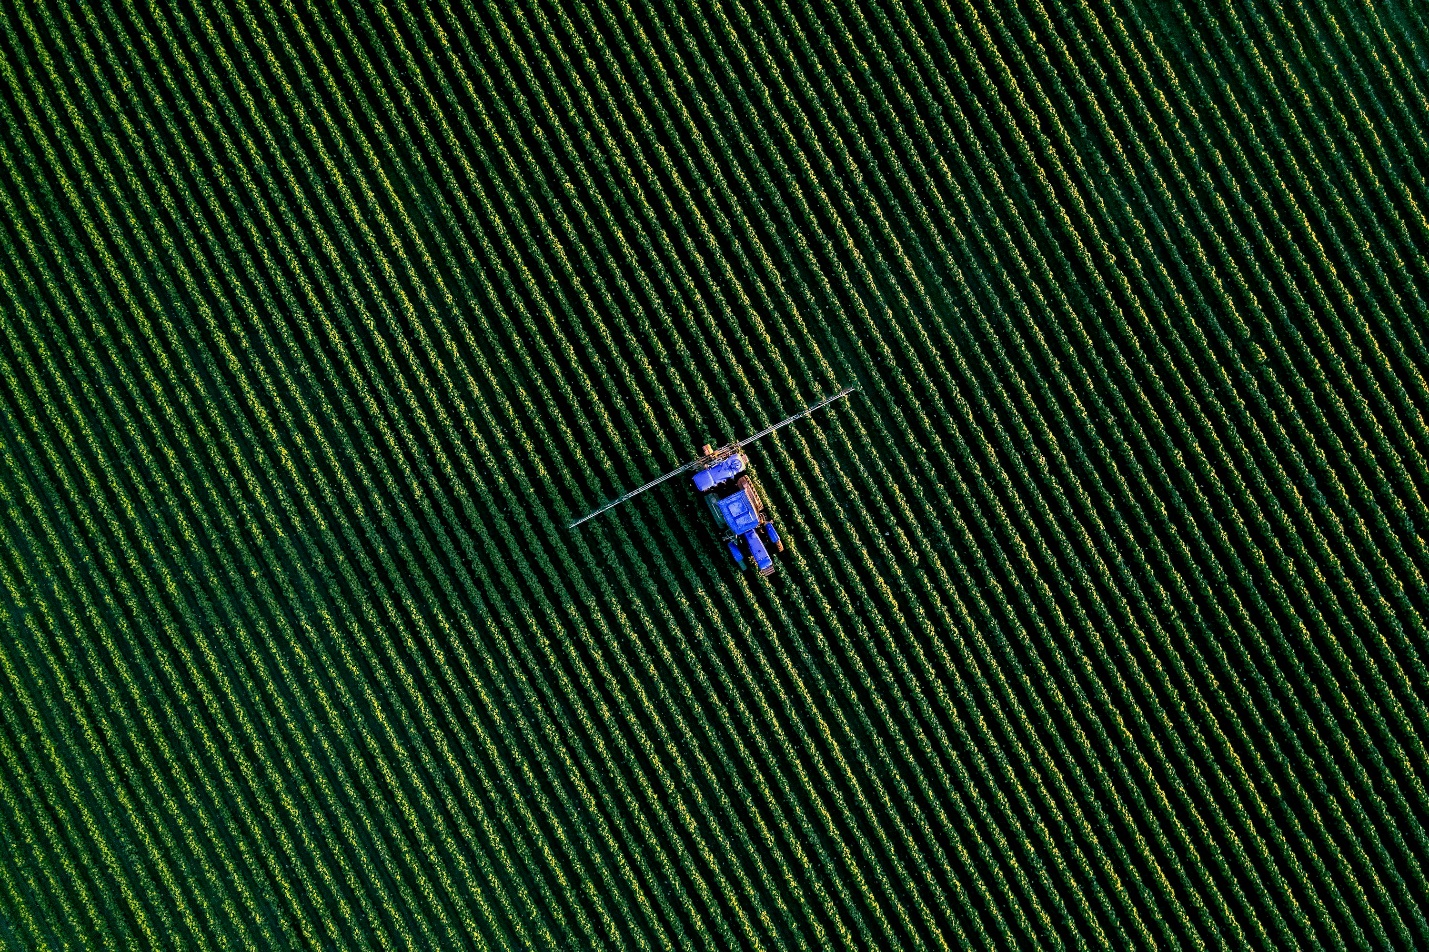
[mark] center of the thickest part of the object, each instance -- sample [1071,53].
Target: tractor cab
[739,512]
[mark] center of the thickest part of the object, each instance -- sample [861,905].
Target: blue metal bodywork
[739,512]
[761,554]
[727,468]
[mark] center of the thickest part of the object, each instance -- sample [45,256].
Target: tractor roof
[739,512]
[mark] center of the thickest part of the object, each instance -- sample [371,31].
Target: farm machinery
[732,495]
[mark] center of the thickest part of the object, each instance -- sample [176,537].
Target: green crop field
[1102,620]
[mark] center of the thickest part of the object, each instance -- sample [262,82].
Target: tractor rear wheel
[773,536]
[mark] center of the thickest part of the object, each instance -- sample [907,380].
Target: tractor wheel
[773,535]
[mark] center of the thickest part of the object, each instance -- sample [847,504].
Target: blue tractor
[734,500]
[723,478]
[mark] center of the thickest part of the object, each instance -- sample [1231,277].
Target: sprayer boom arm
[721,452]
[800,415]
[633,493]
